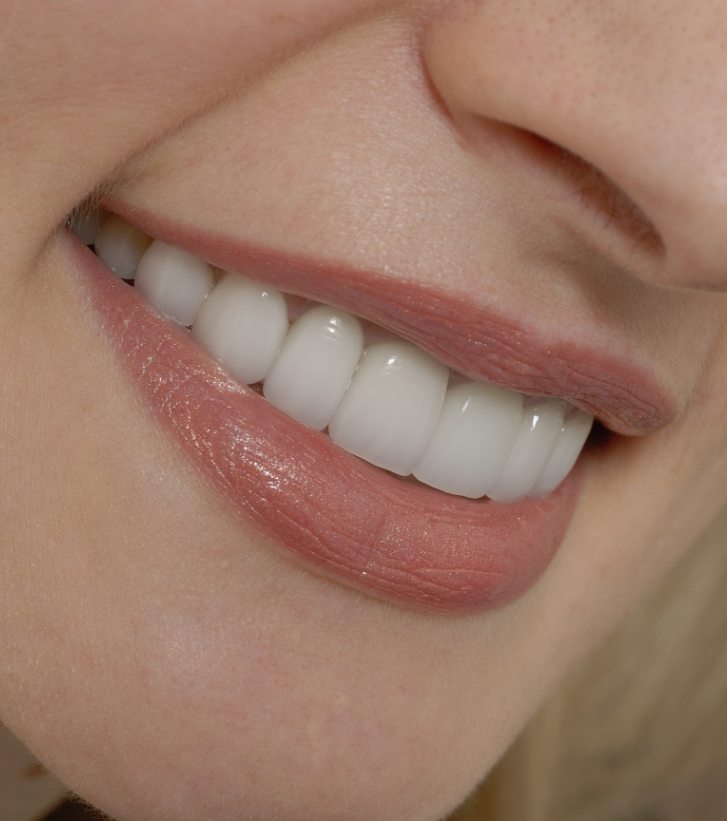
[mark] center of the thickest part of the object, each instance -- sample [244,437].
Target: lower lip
[342,517]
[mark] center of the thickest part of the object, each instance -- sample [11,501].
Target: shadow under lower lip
[342,517]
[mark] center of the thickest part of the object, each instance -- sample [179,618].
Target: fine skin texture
[158,652]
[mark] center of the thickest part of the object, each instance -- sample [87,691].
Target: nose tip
[618,89]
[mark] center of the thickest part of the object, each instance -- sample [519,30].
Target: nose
[636,88]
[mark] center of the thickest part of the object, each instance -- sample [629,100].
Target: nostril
[595,190]
[601,195]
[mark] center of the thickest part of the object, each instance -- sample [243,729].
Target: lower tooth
[539,429]
[120,245]
[388,414]
[242,324]
[315,365]
[473,439]
[174,281]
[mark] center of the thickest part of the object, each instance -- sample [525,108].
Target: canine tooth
[573,434]
[388,413]
[85,223]
[472,440]
[120,245]
[175,282]
[243,324]
[539,428]
[315,365]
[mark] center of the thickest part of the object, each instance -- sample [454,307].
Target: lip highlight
[340,516]
[474,341]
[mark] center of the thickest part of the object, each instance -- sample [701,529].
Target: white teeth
[85,223]
[120,245]
[176,282]
[315,365]
[472,440]
[573,434]
[539,428]
[387,403]
[389,412]
[243,325]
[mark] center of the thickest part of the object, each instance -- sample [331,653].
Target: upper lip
[476,341]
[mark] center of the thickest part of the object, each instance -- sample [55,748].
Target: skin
[163,658]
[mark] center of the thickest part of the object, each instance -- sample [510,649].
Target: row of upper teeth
[388,402]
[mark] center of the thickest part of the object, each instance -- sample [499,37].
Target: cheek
[163,658]
[90,86]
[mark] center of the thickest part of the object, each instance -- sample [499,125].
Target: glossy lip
[340,516]
[475,341]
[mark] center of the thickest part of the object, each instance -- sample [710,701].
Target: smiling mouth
[306,416]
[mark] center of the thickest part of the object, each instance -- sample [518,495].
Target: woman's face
[534,191]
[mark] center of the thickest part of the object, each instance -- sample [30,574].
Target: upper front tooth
[388,414]
[539,428]
[573,434]
[120,245]
[472,440]
[315,365]
[176,282]
[243,324]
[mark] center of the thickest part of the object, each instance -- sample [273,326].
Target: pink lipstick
[339,515]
